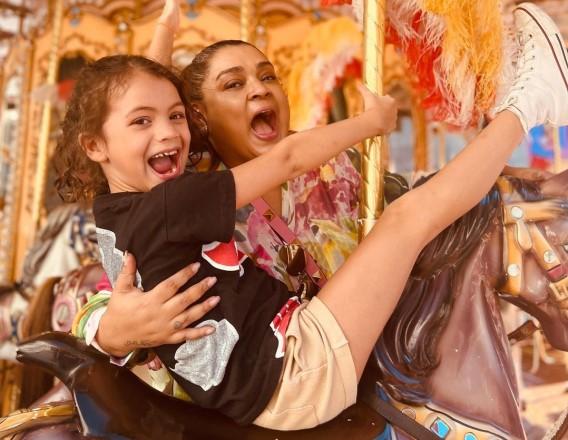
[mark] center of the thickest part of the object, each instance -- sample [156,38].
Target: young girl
[321,345]
[126,128]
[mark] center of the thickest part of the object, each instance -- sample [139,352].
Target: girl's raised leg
[364,292]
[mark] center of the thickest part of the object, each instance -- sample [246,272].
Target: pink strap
[281,228]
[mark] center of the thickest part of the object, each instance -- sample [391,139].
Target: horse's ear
[556,186]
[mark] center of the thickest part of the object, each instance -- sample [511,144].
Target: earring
[204,130]
[201,123]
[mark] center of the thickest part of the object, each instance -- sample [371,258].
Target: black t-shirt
[192,218]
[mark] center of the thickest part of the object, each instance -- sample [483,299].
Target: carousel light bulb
[513,270]
[550,257]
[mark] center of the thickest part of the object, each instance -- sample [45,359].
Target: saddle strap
[523,332]
[280,227]
[397,418]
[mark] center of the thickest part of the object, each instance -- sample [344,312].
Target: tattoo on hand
[133,343]
[177,325]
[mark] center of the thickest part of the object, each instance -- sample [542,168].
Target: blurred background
[317,54]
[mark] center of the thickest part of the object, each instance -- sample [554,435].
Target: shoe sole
[533,11]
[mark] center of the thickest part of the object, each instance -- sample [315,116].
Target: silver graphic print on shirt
[111,257]
[203,361]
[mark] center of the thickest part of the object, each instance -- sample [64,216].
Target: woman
[319,208]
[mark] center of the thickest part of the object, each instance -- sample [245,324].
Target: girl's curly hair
[79,178]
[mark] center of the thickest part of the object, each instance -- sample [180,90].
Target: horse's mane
[406,353]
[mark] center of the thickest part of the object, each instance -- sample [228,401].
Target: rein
[522,236]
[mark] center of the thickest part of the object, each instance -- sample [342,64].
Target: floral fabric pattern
[320,207]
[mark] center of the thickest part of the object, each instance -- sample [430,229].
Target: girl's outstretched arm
[303,151]
[162,44]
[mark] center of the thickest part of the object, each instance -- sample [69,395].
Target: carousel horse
[140,412]
[67,241]
[443,359]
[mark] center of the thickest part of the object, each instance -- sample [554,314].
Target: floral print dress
[320,207]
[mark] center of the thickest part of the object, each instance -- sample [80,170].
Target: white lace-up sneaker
[539,92]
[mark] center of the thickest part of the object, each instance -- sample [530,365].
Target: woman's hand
[383,110]
[170,16]
[136,319]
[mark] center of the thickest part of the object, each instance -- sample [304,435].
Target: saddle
[111,402]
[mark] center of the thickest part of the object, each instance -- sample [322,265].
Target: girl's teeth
[171,153]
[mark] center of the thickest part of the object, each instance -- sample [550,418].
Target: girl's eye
[269,77]
[141,121]
[179,115]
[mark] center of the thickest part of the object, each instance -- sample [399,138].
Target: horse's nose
[37,352]
[55,352]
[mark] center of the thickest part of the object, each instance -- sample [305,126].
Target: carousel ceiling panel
[19,17]
[29,17]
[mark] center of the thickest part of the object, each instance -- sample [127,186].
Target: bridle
[522,236]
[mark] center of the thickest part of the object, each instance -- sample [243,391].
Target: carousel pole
[45,127]
[441,132]
[246,21]
[372,170]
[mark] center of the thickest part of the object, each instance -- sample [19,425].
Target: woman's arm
[162,44]
[303,151]
[136,319]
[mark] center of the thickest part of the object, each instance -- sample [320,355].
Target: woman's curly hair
[79,178]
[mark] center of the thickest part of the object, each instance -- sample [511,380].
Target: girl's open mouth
[165,164]
[265,125]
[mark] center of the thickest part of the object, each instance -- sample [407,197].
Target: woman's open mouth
[264,125]
[165,164]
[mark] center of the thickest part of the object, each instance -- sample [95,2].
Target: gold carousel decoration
[42,63]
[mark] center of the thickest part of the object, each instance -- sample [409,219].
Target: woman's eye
[233,85]
[141,121]
[269,78]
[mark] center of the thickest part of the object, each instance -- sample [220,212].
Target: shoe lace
[525,61]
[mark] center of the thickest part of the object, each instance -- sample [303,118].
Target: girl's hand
[527,173]
[135,319]
[382,110]
[170,15]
